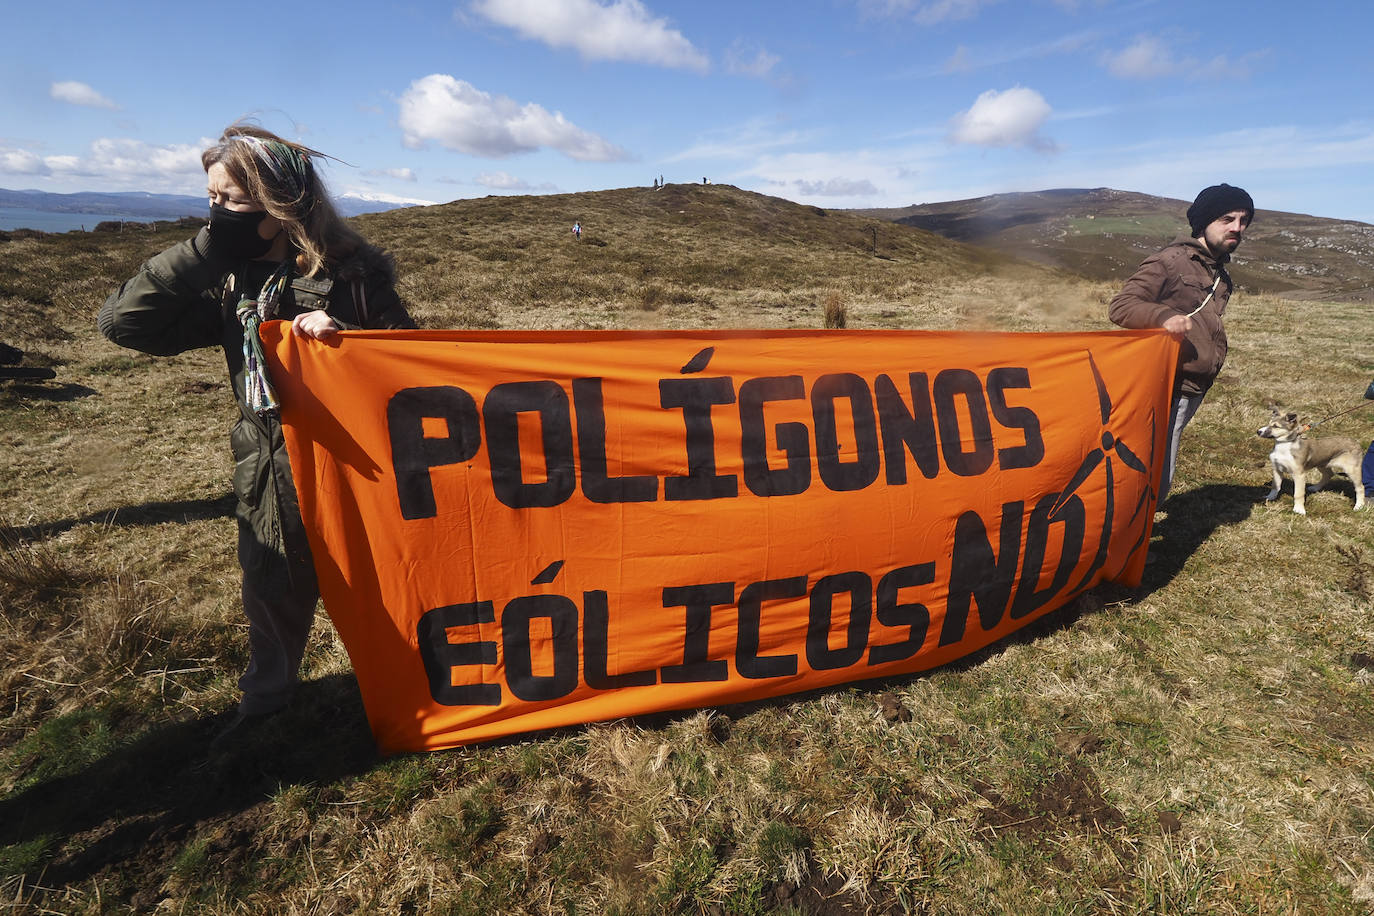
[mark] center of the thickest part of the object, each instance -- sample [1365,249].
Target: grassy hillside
[1202,744]
[679,256]
[1103,233]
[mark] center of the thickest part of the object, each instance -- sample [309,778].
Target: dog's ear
[1292,418]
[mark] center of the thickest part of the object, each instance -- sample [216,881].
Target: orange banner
[521,530]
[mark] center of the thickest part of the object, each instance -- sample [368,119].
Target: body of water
[47,221]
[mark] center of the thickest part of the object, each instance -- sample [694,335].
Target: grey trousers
[1182,411]
[278,627]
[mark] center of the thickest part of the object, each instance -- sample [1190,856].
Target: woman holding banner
[274,248]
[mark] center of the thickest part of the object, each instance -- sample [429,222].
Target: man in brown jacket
[1184,289]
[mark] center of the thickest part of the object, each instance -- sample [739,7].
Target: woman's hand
[314,324]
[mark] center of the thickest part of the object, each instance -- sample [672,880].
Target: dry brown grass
[1203,744]
[836,311]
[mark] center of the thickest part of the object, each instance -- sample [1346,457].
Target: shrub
[836,310]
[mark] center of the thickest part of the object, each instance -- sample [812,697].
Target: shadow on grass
[134,809]
[1191,518]
[58,391]
[150,513]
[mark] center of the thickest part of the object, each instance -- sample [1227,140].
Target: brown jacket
[1174,281]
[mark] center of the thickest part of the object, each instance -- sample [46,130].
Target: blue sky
[837,103]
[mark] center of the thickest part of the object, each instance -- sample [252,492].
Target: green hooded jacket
[182,299]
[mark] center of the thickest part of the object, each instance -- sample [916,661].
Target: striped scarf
[258,392]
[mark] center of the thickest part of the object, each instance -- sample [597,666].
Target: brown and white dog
[1295,455]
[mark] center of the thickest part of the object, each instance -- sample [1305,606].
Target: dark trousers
[279,598]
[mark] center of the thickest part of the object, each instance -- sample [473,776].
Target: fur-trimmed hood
[367,262]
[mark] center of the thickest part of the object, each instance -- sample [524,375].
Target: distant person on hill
[274,248]
[577,231]
[1184,289]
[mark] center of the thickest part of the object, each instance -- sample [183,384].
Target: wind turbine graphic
[1111,446]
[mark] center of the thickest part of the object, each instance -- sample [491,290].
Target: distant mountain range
[1104,234]
[144,205]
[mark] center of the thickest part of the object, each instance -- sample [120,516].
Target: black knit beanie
[1218,200]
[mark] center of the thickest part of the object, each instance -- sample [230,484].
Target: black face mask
[235,233]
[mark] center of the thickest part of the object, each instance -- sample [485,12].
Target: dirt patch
[230,843]
[824,896]
[202,386]
[1336,719]
[1077,745]
[892,709]
[1069,800]
[1169,822]
[542,843]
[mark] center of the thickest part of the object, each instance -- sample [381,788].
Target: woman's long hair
[281,176]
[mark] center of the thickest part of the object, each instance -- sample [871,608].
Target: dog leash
[1308,426]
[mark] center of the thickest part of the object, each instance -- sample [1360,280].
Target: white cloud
[925,12]
[1301,162]
[460,117]
[136,159]
[991,53]
[400,174]
[1012,117]
[841,178]
[74,93]
[836,187]
[1151,57]
[744,60]
[114,162]
[740,142]
[1147,58]
[66,165]
[504,181]
[1286,148]
[623,30]
[21,162]
[1084,114]
[960,61]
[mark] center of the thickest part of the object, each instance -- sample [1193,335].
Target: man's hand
[314,324]
[1177,326]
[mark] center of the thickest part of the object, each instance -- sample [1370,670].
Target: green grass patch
[61,746]
[1154,226]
